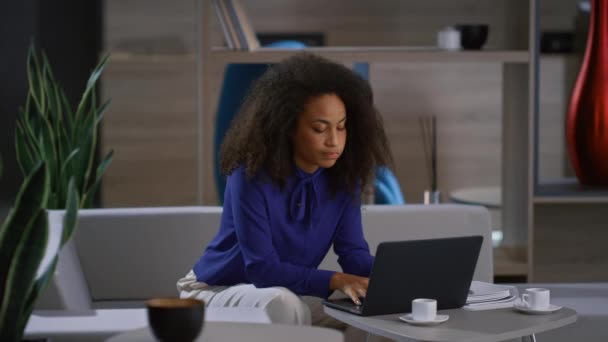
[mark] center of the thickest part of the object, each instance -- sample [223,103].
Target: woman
[305,142]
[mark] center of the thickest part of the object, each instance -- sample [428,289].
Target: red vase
[587,118]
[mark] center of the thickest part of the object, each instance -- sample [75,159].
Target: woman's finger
[353,295]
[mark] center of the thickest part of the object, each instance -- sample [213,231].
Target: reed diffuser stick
[434,154]
[428,126]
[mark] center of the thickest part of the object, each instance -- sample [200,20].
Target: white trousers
[279,303]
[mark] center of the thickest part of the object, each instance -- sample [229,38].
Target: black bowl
[473,36]
[176,320]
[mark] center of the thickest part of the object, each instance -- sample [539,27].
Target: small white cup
[536,298]
[424,309]
[448,39]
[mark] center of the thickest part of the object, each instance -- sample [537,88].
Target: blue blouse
[278,237]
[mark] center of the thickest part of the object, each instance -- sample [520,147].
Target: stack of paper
[486,296]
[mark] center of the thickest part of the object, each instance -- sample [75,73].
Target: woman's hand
[351,285]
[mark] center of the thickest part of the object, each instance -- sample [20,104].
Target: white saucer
[438,319]
[524,309]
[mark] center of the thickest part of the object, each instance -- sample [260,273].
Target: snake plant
[55,148]
[49,130]
[23,242]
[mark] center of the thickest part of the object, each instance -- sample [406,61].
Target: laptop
[441,269]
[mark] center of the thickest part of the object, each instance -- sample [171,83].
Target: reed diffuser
[428,126]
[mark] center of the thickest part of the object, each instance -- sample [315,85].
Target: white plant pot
[67,290]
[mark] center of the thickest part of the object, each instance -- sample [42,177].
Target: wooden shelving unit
[567,232]
[569,191]
[374,54]
[519,60]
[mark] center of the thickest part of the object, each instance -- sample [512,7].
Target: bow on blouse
[303,194]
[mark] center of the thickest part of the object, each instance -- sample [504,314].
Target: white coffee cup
[424,309]
[536,298]
[448,39]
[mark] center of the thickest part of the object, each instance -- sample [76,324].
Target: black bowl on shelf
[473,36]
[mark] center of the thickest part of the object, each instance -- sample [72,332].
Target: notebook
[441,269]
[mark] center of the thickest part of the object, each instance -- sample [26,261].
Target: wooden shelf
[568,190]
[378,54]
[151,58]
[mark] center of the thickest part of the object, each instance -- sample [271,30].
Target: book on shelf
[487,296]
[234,19]
[236,27]
[226,25]
[245,26]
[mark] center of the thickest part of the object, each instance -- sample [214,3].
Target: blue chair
[238,78]
[386,188]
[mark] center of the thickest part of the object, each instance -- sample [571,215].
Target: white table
[489,197]
[250,332]
[590,300]
[463,325]
[102,323]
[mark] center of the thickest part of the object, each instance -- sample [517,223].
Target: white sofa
[120,257]
[124,256]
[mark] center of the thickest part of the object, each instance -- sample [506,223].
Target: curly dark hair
[259,137]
